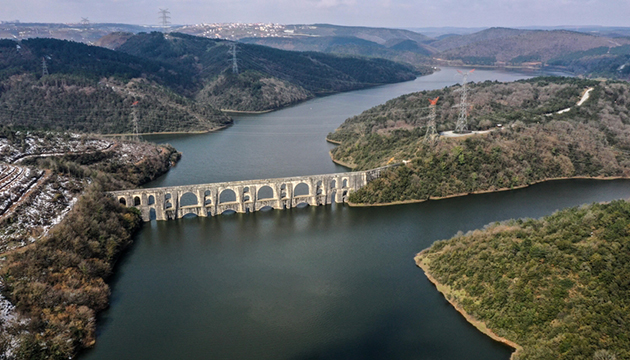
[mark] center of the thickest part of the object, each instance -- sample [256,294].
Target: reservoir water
[308,283]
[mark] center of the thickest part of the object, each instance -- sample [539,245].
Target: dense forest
[166,83]
[607,62]
[92,89]
[58,283]
[581,53]
[535,143]
[268,78]
[400,50]
[532,45]
[559,286]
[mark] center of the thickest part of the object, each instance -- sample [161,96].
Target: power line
[431,134]
[134,115]
[164,18]
[462,121]
[234,60]
[44,67]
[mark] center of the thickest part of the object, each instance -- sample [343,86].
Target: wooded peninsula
[558,287]
[537,140]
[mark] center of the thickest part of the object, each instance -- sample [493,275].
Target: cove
[307,283]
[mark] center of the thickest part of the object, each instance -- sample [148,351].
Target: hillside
[559,287]
[268,78]
[92,89]
[535,144]
[456,41]
[519,46]
[400,50]
[597,62]
[377,35]
[85,33]
[61,234]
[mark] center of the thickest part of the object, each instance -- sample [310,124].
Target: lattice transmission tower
[134,119]
[462,121]
[431,134]
[164,18]
[44,67]
[232,52]
[85,22]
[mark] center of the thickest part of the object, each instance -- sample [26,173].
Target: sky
[382,13]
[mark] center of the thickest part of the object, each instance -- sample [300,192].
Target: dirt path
[27,194]
[585,97]
[109,147]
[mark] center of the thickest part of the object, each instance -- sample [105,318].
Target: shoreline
[246,112]
[318,95]
[170,132]
[445,290]
[340,163]
[479,192]
[333,142]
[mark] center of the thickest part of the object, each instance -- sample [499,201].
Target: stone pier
[175,202]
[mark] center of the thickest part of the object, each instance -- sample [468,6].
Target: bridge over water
[174,202]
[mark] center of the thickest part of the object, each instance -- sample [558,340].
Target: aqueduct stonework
[174,202]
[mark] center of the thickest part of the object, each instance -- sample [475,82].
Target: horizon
[398,14]
[411,28]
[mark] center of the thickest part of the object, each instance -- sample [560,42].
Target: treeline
[58,284]
[402,50]
[518,46]
[315,72]
[268,78]
[251,90]
[491,103]
[536,143]
[507,159]
[167,83]
[74,103]
[85,61]
[558,286]
[607,62]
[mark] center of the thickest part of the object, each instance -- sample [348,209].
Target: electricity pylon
[431,134]
[44,67]
[232,52]
[164,16]
[134,113]
[462,121]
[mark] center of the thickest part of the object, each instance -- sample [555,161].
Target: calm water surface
[312,283]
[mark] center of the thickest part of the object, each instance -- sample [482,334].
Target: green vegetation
[559,286]
[508,44]
[598,62]
[269,78]
[58,283]
[93,89]
[400,50]
[167,83]
[61,102]
[576,52]
[535,143]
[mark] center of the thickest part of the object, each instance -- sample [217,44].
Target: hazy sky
[387,13]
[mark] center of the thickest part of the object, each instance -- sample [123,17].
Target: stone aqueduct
[167,203]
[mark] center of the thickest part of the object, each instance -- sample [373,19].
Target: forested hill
[536,142]
[268,78]
[526,46]
[577,52]
[559,286]
[401,50]
[93,89]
